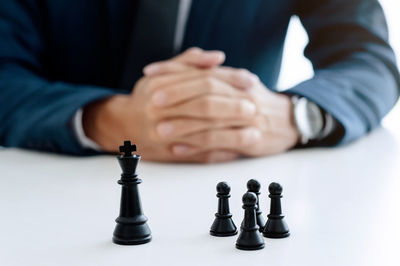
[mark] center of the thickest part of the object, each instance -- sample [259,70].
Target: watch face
[315,119]
[309,119]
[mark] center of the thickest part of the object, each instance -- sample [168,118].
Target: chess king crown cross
[128,161]
[127,148]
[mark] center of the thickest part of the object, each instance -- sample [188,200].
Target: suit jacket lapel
[202,17]
[152,37]
[120,19]
[120,16]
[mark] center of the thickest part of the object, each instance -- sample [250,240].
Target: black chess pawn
[255,187]
[131,228]
[223,224]
[249,237]
[276,226]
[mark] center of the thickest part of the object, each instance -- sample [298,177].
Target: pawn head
[249,198]
[275,188]
[253,186]
[223,188]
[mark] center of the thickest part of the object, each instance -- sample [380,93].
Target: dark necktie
[152,37]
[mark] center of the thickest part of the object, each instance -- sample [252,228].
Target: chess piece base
[261,246]
[223,234]
[275,235]
[121,241]
[223,227]
[131,231]
[250,240]
[276,228]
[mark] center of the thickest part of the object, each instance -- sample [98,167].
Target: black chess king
[131,228]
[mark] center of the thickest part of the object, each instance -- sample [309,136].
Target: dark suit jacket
[57,56]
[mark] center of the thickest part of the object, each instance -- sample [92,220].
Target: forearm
[37,114]
[357,95]
[356,78]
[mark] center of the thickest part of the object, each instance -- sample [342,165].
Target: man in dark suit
[79,77]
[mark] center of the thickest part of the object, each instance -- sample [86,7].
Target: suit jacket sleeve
[35,112]
[356,78]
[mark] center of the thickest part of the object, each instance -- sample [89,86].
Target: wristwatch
[309,119]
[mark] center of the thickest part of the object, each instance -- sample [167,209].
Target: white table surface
[342,206]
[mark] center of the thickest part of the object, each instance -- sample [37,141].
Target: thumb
[191,58]
[197,57]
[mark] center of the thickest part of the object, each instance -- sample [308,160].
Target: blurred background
[296,68]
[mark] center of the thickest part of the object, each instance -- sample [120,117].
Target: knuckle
[165,65]
[245,108]
[239,74]
[210,82]
[169,66]
[152,84]
[151,112]
[208,138]
[243,71]
[241,138]
[209,71]
[236,75]
[240,108]
[205,73]
[206,106]
[209,157]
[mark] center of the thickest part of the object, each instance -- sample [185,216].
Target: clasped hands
[192,109]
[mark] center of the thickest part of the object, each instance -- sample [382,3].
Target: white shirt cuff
[80,133]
